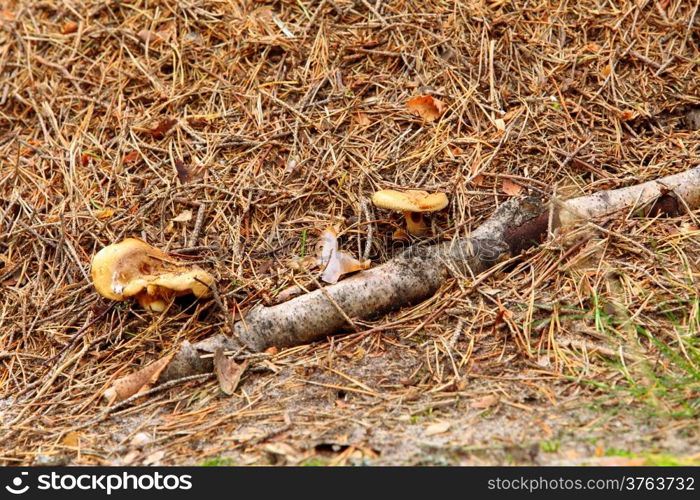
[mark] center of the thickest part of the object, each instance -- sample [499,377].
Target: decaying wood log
[417,273]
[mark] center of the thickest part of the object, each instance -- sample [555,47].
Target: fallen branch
[417,273]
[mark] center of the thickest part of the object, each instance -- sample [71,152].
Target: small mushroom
[412,204]
[133,268]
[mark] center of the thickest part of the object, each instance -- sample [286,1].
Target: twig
[197,225]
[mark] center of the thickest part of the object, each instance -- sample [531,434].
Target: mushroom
[412,204]
[133,268]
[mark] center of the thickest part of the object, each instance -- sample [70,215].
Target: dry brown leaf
[154,458]
[627,115]
[105,213]
[69,27]
[130,457]
[153,38]
[511,188]
[184,216]
[336,263]
[72,439]
[139,381]
[485,402]
[163,128]
[438,428]
[228,372]
[427,107]
[184,173]
[362,119]
[130,157]
[141,439]
[282,449]
[478,180]
[510,114]
[289,293]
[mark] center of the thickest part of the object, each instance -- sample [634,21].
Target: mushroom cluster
[133,268]
[412,204]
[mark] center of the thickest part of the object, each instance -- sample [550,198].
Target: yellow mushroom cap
[133,268]
[409,201]
[116,268]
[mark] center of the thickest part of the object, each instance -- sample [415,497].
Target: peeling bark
[417,273]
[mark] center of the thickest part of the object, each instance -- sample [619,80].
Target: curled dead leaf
[627,115]
[511,188]
[184,172]
[163,127]
[153,38]
[154,458]
[485,402]
[427,107]
[512,113]
[141,439]
[69,27]
[289,293]
[130,457]
[130,157]
[336,263]
[362,119]
[228,372]
[438,428]
[184,216]
[137,382]
[72,439]
[105,213]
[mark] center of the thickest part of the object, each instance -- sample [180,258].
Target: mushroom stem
[149,302]
[415,223]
